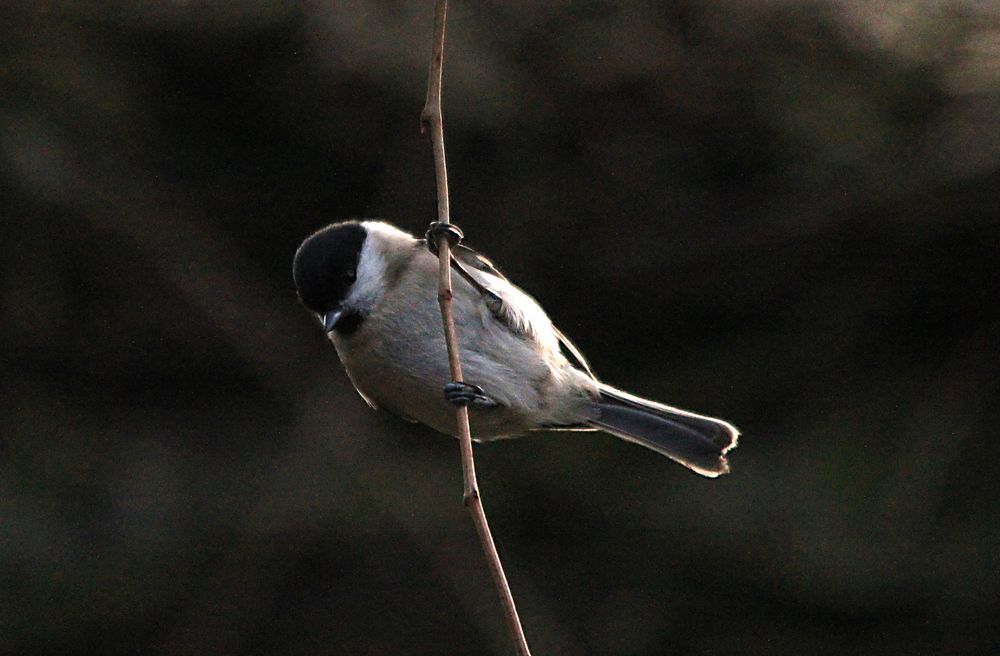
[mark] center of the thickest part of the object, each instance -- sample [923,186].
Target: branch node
[470,497]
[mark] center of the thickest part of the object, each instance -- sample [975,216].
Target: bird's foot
[438,231]
[464,394]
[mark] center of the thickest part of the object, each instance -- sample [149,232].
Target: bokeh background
[782,213]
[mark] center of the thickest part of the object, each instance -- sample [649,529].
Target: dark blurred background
[782,213]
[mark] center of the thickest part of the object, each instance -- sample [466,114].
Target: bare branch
[430,120]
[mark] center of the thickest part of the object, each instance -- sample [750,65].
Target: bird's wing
[506,314]
[574,352]
[476,260]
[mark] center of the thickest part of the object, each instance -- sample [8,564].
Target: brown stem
[430,120]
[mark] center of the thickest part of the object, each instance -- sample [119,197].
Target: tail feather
[695,441]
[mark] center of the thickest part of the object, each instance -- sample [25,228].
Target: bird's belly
[410,383]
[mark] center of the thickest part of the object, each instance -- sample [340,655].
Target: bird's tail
[695,441]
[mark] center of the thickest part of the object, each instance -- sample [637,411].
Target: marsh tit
[374,289]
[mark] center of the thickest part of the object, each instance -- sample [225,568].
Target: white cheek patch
[381,241]
[370,275]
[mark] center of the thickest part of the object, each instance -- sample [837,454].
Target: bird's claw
[464,394]
[438,230]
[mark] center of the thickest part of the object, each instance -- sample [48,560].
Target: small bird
[374,289]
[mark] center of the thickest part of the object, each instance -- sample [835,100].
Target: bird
[373,288]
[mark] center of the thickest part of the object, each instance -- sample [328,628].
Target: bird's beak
[331,318]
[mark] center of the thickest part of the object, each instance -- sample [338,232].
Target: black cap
[326,265]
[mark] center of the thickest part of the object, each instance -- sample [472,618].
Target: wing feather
[507,313]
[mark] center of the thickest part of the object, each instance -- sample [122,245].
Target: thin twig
[430,120]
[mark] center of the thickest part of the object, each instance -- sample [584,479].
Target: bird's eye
[350,277]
